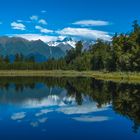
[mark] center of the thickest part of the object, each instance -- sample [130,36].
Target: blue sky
[48,19]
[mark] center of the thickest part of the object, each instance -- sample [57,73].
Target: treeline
[21,62]
[121,54]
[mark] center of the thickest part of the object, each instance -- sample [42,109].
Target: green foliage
[78,48]
[127,50]
[102,56]
[122,54]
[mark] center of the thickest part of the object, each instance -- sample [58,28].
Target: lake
[68,109]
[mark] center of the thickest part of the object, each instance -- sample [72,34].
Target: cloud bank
[30,37]
[85,33]
[91,23]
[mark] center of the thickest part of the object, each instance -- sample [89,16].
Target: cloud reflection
[91,118]
[34,124]
[51,100]
[83,109]
[18,116]
[42,112]
[43,120]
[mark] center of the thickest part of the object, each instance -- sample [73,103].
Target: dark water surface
[68,109]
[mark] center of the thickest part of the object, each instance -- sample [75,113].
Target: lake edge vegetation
[123,77]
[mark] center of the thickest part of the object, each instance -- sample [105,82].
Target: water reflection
[86,100]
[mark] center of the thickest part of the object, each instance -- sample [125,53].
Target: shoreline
[106,76]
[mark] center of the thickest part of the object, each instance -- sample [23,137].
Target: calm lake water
[68,109]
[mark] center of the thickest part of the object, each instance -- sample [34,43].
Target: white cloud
[43,30]
[22,21]
[91,118]
[43,11]
[91,23]
[19,20]
[30,37]
[85,33]
[18,116]
[18,26]
[42,21]
[34,17]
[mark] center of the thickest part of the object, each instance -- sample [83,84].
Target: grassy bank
[130,77]
[113,76]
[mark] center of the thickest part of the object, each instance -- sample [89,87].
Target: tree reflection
[125,98]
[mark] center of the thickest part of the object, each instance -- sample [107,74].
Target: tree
[79,47]
[1,59]
[17,58]
[136,26]
[6,59]
[70,56]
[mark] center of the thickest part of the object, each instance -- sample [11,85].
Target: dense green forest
[121,54]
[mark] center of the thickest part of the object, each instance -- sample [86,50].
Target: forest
[121,54]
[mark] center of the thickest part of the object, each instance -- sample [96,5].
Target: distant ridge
[10,46]
[40,50]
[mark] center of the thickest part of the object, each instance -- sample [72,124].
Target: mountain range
[9,46]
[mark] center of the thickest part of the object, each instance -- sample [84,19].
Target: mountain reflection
[71,96]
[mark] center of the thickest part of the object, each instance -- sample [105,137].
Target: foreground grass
[109,76]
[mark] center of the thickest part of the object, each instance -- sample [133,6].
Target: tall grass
[110,76]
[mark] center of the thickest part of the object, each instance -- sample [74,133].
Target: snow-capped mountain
[64,44]
[68,43]
[65,41]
